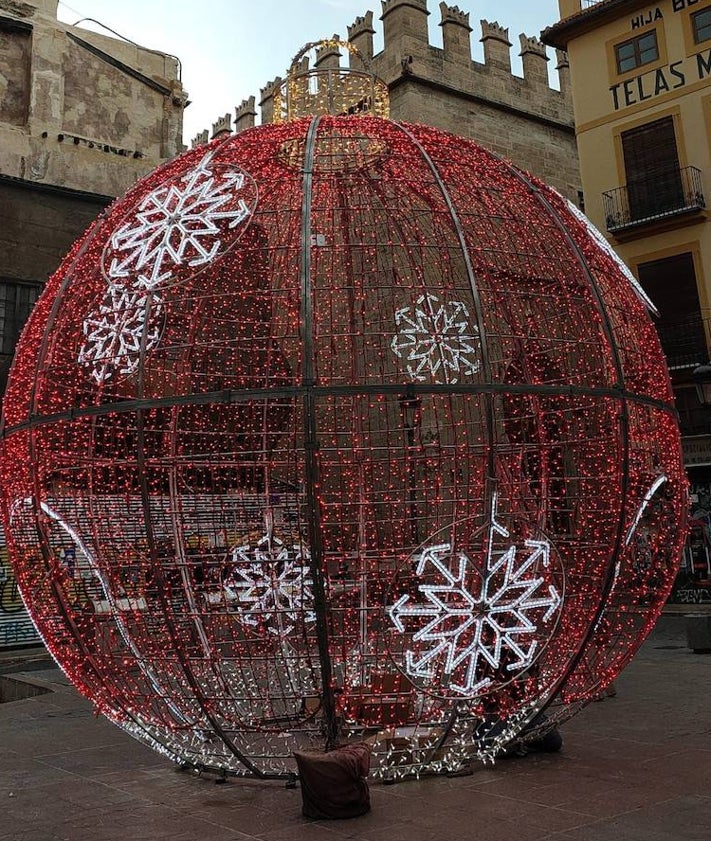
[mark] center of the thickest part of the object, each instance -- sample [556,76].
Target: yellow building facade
[641,86]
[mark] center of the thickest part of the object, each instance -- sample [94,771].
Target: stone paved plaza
[637,766]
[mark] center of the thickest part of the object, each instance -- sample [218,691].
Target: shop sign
[696,450]
[674,75]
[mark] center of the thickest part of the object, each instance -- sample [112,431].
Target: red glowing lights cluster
[341,428]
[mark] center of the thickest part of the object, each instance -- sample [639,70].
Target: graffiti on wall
[16,627]
[693,585]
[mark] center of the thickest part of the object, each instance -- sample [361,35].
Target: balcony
[685,347]
[662,197]
[684,341]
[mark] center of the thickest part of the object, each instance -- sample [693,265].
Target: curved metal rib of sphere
[335,427]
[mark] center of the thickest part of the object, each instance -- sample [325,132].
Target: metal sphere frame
[341,428]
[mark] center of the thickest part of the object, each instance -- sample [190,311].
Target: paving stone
[637,766]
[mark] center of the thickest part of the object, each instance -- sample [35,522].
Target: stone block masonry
[79,109]
[520,117]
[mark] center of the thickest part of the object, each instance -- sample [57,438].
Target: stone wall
[50,218]
[15,55]
[79,109]
[521,118]
[82,117]
[38,224]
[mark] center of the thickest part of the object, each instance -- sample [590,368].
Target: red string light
[340,427]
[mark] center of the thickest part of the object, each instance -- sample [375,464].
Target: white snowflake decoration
[114,333]
[271,585]
[463,632]
[436,340]
[180,223]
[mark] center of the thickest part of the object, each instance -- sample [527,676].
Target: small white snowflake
[180,223]
[437,340]
[115,332]
[475,623]
[271,585]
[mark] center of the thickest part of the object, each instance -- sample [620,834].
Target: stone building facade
[521,118]
[79,109]
[82,117]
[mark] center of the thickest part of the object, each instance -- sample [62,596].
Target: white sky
[229,49]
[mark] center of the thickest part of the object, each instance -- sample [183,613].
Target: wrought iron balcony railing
[666,194]
[685,347]
[684,341]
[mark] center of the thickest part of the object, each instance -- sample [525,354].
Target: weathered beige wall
[82,110]
[14,75]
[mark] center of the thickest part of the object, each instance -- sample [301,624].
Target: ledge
[559,34]
[68,192]
[658,224]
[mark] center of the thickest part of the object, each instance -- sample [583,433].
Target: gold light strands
[328,88]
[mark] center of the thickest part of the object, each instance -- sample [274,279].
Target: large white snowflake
[114,333]
[437,340]
[180,223]
[270,584]
[475,624]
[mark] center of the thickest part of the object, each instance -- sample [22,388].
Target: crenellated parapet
[268,89]
[360,34]
[520,116]
[404,18]
[455,34]
[266,99]
[222,127]
[497,47]
[531,44]
[407,52]
[200,139]
[534,58]
[453,14]
[245,115]
[328,56]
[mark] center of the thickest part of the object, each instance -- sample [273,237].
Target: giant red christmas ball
[341,427]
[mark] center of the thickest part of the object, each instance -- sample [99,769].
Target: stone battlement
[495,31]
[328,55]
[407,51]
[453,14]
[521,117]
[360,25]
[245,114]
[390,5]
[360,34]
[200,139]
[269,88]
[223,125]
[532,45]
